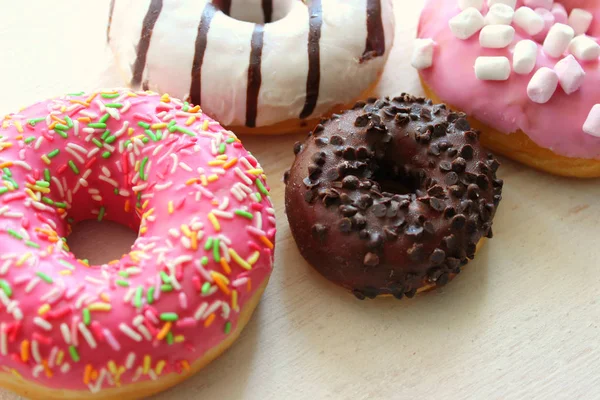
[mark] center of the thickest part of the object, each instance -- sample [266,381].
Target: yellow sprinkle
[22,260]
[205,125]
[65,272]
[209,320]
[5,124]
[179,339]
[25,350]
[46,159]
[99,307]
[136,166]
[19,126]
[143,230]
[230,163]
[161,125]
[130,131]
[214,163]
[203,180]
[234,300]
[145,204]
[190,120]
[255,171]
[160,366]
[38,188]
[59,357]
[213,220]
[253,258]
[147,361]
[241,262]
[147,213]
[165,98]
[131,94]
[112,367]
[218,275]
[105,297]
[225,266]
[16,373]
[213,177]
[186,230]
[164,331]
[170,207]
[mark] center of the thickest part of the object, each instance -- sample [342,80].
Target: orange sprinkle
[87,372]
[164,331]
[52,125]
[55,118]
[221,285]
[191,181]
[194,243]
[25,350]
[47,369]
[267,242]
[230,163]
[84,119]
[83,103]
[234,300]
[6,164]
[94,375]
[194,109]
[249,285]
[213,220]
[91,98]
[209,320]
[105,297]
[225,266]
[186,365]
[127,206]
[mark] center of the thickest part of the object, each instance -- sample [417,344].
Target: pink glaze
[556,125]
[68,325]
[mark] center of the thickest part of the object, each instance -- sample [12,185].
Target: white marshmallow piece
[549,20]
[499,14]
[560,13]
[492,68]
[422,57]
[584,48]
[580,20]
[525,57]
[570,74]
[467,23]
[528,20]
[464,4]
[496,36]
[546,4]
[592,124]
[558,40]
[511,3]
[542,85]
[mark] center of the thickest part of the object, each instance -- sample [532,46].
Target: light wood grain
[521,322]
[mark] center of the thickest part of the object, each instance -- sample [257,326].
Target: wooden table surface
[521,322]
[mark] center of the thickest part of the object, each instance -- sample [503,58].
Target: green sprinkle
[150,295]
[97,125]
[143,168]
[63,134]
[74,353]
[4,285]
[14,234]
[165,278]
[169,316]
[171,126]
[32,244]
[3,190]
[186,106]
[69,121]
[204,260]
[87,318]
[53,153]
[124,274]
[261,187]
[116,191]
[43,184]
[113,105]
[205,287]
[144,125]
[101,213]
[34,121]
[166,288]
[29,139]
[67,264]
[227,327]
[230,140]
[97,142]
[110,139]
[60,127]
[222,148]
[122,282]
[208,244]
[158,134]
[106,154]
[145,140]
[170,338]
[44,277]
[110,95]
[76,94]
[258,197]
[7,172]
[137,300]
[47,176]
[60,204]
[151,134]
[48,201]
[216,250]
[243,213]
[184,130]
[73,167]
[105,134]
[104,118]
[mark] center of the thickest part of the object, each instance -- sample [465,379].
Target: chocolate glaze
[267,6]
[391,196]
[223,5]
[313,80]
[144,44]
[200,48]
[375,46]
[254,75]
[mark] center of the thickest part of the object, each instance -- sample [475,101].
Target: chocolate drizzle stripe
[223,5]
[375,46]
[111,9]
[254,75]
[313,80]
[201,42]
[144,44]
[267,6]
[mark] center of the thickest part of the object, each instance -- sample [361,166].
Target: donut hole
[256,11]
[395,180]
[100,242]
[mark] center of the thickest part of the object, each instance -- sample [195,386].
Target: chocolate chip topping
[396,194]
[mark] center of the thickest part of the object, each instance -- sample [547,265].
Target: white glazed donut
[293,63]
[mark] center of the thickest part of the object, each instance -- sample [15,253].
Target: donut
[529,85]
[202,258]
[258,66]
[391,197]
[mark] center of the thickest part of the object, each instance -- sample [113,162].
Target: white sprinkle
[42,323]
[65,368]
[3,339]
[64,329]
[200,311]
[35,351]
[145,332]
[130,360]
[130,332]
[108,180]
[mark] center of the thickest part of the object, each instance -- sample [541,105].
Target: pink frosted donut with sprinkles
[203,256]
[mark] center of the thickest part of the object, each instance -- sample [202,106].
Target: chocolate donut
[391,197]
